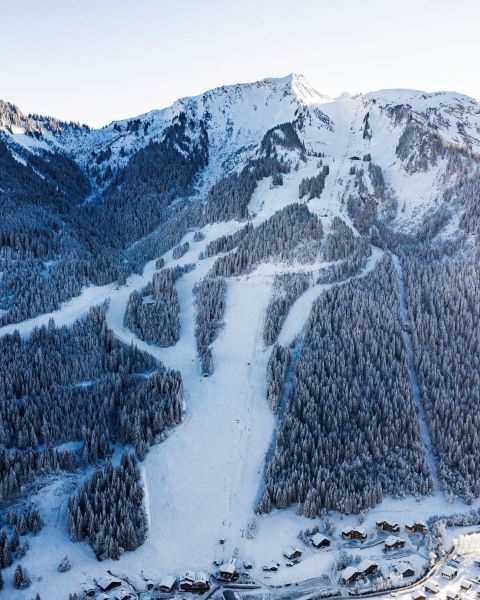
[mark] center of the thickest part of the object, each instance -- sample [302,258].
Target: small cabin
[389,526]
[416,527]
[393,543]
[123,594]
[466,585]
[247,564]
[108,583]
[201,583]
[320,541]
[418,595]
[367,567]
[186,581]
[354,533]
[227,571]
[350,575]
[292,552]
[167,584]
[271,566]
[452,595]
[432,587]
[405,570]
[89,591]
[449,572]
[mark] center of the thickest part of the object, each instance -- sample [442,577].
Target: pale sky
[98,60]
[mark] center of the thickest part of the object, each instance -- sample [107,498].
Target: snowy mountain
[270,298]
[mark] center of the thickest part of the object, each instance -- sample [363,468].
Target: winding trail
[407,340]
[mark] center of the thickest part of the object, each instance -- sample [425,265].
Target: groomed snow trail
[407,340]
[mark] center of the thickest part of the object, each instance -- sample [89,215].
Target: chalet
[149,585]
[367,567]
[416,527]
[108,583]
[89,591]
[432,587]
[186,581]
[418,595]
[393,543]
[320,541]
[292,552]
[354,533]
[466,585]
[271,566]
[405,570]
[167,584]
[247,564]
[350,575]
[389,526]
[449,572]
[452,595]
[227,571]
[201,583]
[123,594]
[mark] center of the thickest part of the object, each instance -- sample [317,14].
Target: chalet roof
[357,529]
[106,581]
[168,581]
[201,578]
[365,565]
[388,522]
[432,585]
[188,576]
[393,539]
[414,522]
[404,568]
[348,573]
[318,538]
[228,567]
[289,550]
[449,571]
[418,595]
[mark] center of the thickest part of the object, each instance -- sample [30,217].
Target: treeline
[287,287]
[281,236]
[153,313]
[350,432]
[108,512]
[78,384]
[351,265]
[277,368]
[445,312]
[209,295]
[226,243]
[313,186]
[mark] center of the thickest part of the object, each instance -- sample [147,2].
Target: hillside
[267,295]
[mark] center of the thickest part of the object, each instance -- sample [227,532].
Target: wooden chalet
[167,584]
[108,583]
[389,526]
[292,552]
[418,595]
[228,571]
[367,567]
[405,570]
[432,587]
[449,572]
[416,527]
[354,533]
[186,581]
[393,543]
[350,575]
[320,541]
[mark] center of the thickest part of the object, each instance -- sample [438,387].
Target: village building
[186,581]
[405,570]
[247,564]
[416,527]
[432,587]
[89,591]
[393,543]
[466,585]
[122,594]
[449,572]
[271,566]
[354,533]
[292,552]
[108,583]
[418,595]
[350,575]
[452,595]
[367,567]
[320,541]
[167,584]
[228,571]
[389,526]
[201,583]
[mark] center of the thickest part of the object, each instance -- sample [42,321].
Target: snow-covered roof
[228,567]
[418,595]
[201,578]
[318,538]
[414,523]
[188,575]
[387,522]
[393,539]
[360,530]
[168,581]
[404,568]
[105,581]
[291,550]
[365,565]
[449,571]
[348,573]
[432,585]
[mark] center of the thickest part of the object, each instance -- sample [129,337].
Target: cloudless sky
[98,60]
